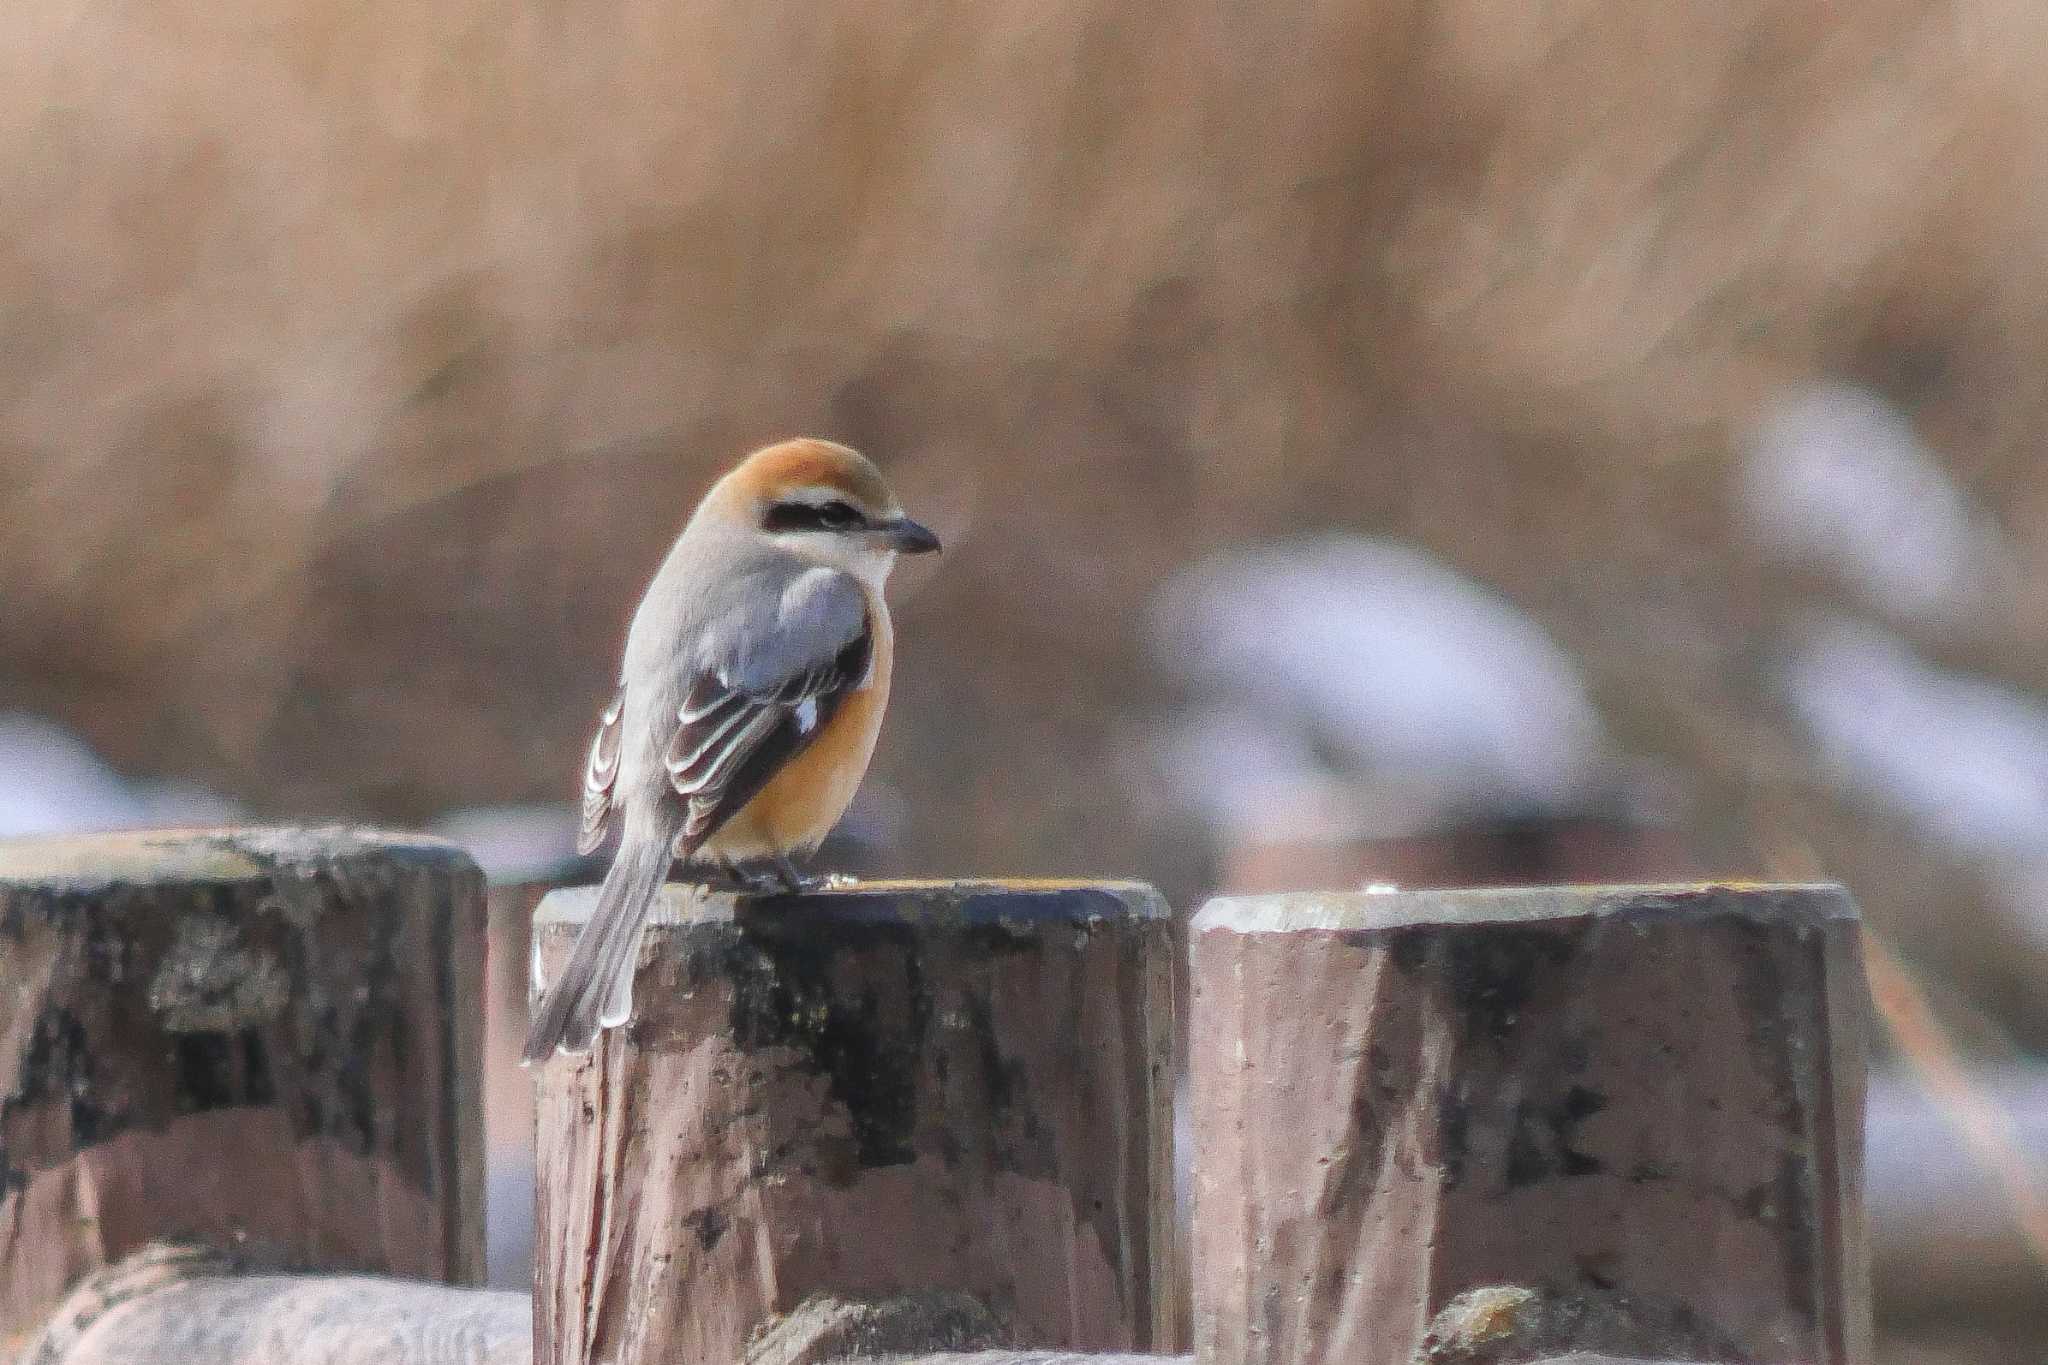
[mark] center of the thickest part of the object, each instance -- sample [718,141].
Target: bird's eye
[803,516]
[836,514]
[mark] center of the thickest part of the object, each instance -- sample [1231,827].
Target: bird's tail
[595,987]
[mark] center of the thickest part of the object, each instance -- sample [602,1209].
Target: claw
[724,878]
[777,876]
[792,880]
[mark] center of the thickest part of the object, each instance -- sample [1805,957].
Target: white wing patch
[766,679]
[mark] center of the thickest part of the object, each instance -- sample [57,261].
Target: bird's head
[824,502]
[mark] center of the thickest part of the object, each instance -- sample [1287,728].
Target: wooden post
[171,1305]
[261,1040]
[1624,1119]
[865,1092]
[507,1088]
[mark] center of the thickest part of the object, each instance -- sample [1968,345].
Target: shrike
[755,677]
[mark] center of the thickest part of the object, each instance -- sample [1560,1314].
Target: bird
[755,675]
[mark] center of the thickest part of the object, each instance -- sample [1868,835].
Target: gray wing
[766,677]
[601,776]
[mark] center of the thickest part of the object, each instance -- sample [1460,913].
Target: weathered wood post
[507,1087]
[172,1305]
[952,1096]
[1608,1119]
[265,1041]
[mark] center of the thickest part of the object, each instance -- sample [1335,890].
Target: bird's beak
[906,537]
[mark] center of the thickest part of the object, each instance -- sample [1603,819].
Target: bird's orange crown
[808,462]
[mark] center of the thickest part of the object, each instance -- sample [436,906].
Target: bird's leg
[722,876]
[774,876]
[752,879]
[794,880]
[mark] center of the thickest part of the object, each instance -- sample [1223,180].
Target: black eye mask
[804,516]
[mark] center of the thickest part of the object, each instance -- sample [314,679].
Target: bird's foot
[769,877]
[793,881]
[729,880]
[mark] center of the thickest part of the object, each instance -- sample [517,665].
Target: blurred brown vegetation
[361,357]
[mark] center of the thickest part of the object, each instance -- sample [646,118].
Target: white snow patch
[1836,477]
[52,782]
[1346,654]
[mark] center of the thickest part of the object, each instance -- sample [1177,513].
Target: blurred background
[1426,441]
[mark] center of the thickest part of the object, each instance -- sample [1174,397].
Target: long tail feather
[595,988]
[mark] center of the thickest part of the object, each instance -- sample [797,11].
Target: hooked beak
[906,537]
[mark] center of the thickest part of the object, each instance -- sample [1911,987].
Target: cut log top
[172,1304]
[1001,902]
[94,862]
[1792,902]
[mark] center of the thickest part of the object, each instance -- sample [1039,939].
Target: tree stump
[1642,1107]
[171,1305]
[260,1040]
[864,1092]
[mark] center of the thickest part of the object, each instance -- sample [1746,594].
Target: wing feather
[601,776]
[770,676]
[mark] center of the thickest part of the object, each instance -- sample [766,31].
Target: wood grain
[867,1092]
[1631,1116]
[178,1305]
[257,1039]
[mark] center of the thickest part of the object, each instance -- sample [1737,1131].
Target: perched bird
[755,677]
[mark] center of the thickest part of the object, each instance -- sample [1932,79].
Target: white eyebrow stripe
[817,495]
